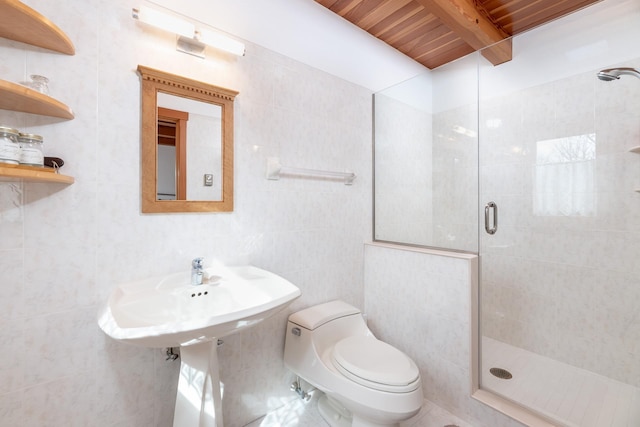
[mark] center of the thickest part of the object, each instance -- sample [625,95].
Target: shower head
[615,73]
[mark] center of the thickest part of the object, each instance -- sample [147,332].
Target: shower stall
[534,165]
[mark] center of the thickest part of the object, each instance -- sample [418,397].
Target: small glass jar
[31,149]
[9,147]
[39,83]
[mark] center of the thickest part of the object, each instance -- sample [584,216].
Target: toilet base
[333,413]
[337,415]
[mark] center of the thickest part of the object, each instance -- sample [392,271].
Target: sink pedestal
[199,401]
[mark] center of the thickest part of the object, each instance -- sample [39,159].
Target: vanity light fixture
[164,21]
[190,40]
[220,41]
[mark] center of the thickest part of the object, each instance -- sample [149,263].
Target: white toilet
[366,381]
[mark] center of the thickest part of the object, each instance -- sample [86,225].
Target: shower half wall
[549,143]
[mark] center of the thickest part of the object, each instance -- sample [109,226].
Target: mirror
[187,144]
[200,123]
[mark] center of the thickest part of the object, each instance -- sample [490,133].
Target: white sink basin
[170,312]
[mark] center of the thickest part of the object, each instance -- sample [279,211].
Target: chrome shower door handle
[491,228]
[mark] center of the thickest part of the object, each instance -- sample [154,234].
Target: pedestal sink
[169,312]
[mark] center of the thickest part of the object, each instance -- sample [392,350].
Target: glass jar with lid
[31,149]
[9,147]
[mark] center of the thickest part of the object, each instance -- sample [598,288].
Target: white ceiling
[310,33]
[307,32]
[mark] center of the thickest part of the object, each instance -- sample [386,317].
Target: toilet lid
[375,364]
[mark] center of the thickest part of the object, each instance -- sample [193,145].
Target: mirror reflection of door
[172,154]
[194,170]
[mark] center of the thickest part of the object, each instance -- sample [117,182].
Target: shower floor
[577,397]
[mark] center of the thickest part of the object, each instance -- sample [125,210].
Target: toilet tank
[317,315]
[312,330]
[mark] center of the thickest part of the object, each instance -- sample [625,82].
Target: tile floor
[576,397]
[305,414]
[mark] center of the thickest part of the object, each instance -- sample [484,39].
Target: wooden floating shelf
[32,174]
[16,97]
[21,23]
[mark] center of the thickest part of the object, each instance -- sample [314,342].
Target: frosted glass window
[564,181]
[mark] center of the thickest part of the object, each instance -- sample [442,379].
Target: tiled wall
[419,301]
[403,186]
[426,163]
[64,248]
[455,176]
[565,284]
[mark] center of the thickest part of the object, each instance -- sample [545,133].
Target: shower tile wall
[426,175]
[455,176]
[566,285]
[64,248]
[403,136]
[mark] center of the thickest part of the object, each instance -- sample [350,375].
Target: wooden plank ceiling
[435,32]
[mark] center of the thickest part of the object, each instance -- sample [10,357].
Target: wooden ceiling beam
[473,27]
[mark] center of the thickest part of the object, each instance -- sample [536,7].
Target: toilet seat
[375,364]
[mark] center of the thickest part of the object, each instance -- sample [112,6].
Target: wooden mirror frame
[154,81]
